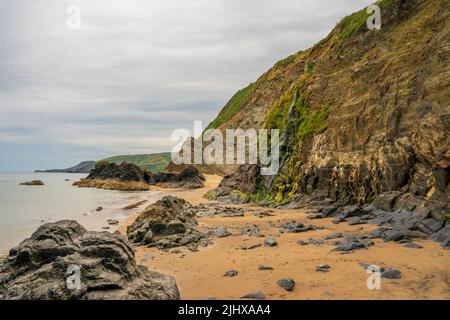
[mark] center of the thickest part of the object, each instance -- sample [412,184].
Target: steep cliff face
[362,112]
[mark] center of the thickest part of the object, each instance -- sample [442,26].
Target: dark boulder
[287,284]
[43,266]
[391,274]
[168,223]
[126,172]
[189,178]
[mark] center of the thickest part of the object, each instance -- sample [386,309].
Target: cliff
[361,113]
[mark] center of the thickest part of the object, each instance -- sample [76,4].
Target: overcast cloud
[136,70]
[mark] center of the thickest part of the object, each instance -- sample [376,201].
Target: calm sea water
[24,208]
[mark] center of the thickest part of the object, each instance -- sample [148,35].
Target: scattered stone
[303,242]
[351,211]
[297,227]
[263,268]
[270,242]
[337,220]
[327,294]
[443,236]
[391,274]
[334,236]
[314,216]
[112,222]
[134,205]
[32,183]
[316,242]
[105,228]
[232,213]
[251,246]
[262,214]
[329,211]
[394,235]
[323,268]
[287,284]
[99,209]
[351,245]
[353,221]
[221,232]
[254,295]
[252,230]
[231,273]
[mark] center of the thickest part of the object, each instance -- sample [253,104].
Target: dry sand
[199,275]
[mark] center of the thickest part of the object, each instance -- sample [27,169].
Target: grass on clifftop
[232,107]
[352,24]
[156,162]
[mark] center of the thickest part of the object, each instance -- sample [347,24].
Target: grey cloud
[138,69]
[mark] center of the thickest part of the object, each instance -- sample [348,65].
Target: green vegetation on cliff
[352,24]
[232,107]
[156,162]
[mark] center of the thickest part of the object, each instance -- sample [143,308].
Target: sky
[135,70]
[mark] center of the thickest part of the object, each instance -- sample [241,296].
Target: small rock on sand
[99,209]
[323,268]
[287,284]
[254,295]
[231,273]
[334,236]
[391,274]
[270,242]
[413,246]
[263,268]
[32,183]
[221,232]
[251,246]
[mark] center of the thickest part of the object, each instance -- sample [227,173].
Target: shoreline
[30,207]
[200,275]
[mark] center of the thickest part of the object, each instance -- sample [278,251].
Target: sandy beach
[199,275]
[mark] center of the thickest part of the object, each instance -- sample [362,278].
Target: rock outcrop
[126,172]
[40,268]
[188,178]
[168,223]
[130,177]
[32,183]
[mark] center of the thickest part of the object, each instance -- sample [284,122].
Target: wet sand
[199,275]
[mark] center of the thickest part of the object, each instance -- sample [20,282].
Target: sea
[24,208]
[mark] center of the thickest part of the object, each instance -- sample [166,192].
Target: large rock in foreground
[38,268]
